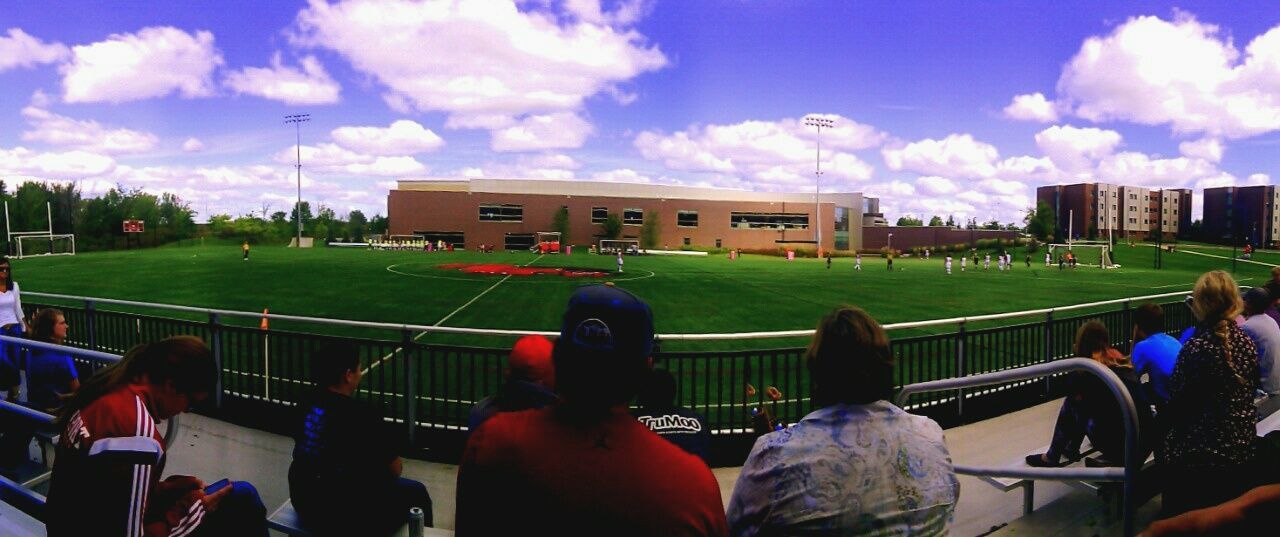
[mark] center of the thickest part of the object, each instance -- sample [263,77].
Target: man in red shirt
[585,465]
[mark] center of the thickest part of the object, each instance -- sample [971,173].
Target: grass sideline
[688,294]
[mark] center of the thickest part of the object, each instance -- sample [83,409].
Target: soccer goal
[33,243]
[1086,253]
[613,246]
[548,243]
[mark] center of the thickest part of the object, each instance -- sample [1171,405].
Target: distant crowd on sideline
[559,449]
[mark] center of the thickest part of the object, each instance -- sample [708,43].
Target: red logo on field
[502,269]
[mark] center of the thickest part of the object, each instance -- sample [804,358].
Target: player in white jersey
[857,261]
[948,264]
[986,262]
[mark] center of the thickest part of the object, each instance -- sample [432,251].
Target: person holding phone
[110,454]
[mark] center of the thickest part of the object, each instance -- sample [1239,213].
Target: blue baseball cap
[607,319]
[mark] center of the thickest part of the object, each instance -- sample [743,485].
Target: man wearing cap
[1265,335]
[530,381]
[584,465]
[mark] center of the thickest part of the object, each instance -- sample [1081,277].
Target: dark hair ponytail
[183,360]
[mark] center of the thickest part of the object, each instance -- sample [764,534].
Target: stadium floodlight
[818,122]
[298,120]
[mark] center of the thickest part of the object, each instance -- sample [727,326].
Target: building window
[492,212]
[687,242]
[1175,211]
[686,219]
[769,220]
[599,215]
[717,243]
[632,217]
[1133,220]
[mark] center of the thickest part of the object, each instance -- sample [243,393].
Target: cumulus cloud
[154,62]
[1075,149]
[20,50]
[766,154]
[330,158]
[23,162]
[561,130]
[627,12]
[193,145]
[279,82]
[937,185]
[1139,169]
[957,155]
[1181,73]
[402,137]
[1032,107]
[1209,149]
[558,161]
[621,175]
[483,56]
[88,135]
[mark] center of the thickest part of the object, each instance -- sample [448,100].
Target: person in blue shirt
[50,374]
[1154,352]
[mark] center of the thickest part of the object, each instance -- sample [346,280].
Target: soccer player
[1048,259]
[890,258]
[245,247]
[948,264]
[619,261]
[926,253]
[857,261]
[828,261]
[986,262]
[963,261]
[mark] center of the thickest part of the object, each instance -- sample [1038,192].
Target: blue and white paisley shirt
[847,470]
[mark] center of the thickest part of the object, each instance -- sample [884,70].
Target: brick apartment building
[1130,212]
[1248,213]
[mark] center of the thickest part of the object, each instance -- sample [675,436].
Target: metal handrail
[170,432]
[1127,408]
[666,337]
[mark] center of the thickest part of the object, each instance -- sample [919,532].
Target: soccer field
[688,294]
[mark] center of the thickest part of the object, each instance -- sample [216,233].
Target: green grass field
[688,294]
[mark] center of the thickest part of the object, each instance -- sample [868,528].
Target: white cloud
[1209,149]
[402,137]
[1075,149]
[329,158]
[622,175]
[551,160]
[1031,107]
[88,135]
[20,50]
[482,56]
[937,185]
[1258,179]
[627,12]
[957,155]
[154,62]
[1180,73]
[311,85]
[193,145]
[561,130]
[21,161]
[766,154]
[1131,168]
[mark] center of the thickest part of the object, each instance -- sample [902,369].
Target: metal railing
[1127,475]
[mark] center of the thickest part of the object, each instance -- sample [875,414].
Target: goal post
[1086,253]
[29,245]
[613,246]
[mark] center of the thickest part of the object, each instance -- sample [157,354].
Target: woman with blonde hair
[857,465]
[1209,449]
[1092,410]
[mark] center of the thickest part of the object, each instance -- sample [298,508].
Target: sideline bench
[15,502]
[285,520]
[1028,486]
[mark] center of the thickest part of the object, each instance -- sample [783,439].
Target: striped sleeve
[141,485]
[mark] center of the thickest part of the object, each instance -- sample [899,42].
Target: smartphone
[216,486]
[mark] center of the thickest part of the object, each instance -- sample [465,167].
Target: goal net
[613,246]
[36,245]
[548,243]
[1087,254]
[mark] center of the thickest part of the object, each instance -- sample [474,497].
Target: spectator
[530,382]
[858,465]
[11,324]
[1091,409]
[680,426]
[584,465]
[1210,444]
[1254,513]
[1265,334]
[346,459]
[110,455]
[1154,351]
[1273,287]
[51,375]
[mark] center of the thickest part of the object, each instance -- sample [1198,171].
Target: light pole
[298,120]
[889,244]
[819,123]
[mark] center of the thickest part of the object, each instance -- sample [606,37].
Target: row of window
[492,212]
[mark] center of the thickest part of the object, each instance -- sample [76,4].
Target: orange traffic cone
[263,326]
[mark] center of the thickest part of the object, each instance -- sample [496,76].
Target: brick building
[1125,212]
[1247,212]
[508,213]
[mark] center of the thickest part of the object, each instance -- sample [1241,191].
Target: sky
[939,108]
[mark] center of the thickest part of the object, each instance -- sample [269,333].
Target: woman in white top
[11,324]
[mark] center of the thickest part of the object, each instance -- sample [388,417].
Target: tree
[909,221]
[356,222]
[993,224]
[951,221]
[560,223]
[936,221]
[612,226]
[379,225]
[650,231]
[1040,221]
[306,214]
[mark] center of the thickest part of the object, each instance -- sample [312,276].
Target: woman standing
[1209,449]
[11,324]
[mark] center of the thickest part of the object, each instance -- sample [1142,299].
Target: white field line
[447,317]
[1227,258]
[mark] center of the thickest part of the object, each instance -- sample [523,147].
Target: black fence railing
[431,388]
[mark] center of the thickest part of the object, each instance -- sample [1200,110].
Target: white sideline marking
[447,317]
[1227,258]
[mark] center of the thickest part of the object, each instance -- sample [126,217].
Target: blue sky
[957,108]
